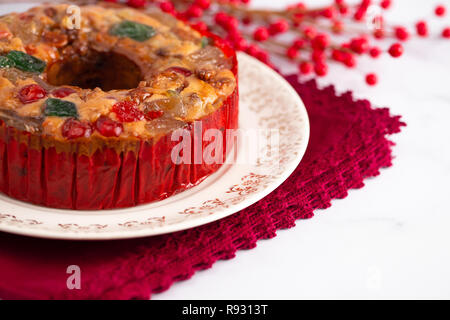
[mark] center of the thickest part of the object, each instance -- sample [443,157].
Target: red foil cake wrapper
[33,172]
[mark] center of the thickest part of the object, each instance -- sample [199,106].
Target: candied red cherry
[154,114]
[136,3]
[126,111]
[62,92]
[185,72]
[108,127]
[73,128]
[31,93]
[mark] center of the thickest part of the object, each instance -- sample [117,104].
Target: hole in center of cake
[105,70]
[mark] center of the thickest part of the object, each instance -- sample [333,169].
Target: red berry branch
[311,37]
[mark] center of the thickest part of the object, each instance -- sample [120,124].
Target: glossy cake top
[119,73]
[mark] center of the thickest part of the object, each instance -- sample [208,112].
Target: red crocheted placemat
[348,144]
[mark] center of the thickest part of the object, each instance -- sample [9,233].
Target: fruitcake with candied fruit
[87,111]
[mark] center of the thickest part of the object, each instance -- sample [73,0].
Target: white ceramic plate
[267,102]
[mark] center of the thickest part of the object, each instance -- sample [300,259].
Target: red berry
[401,33]
[73,129]
[309,32]
[359,45]
[337,55]
[62,92]
[108,127]
[337,27]
[396,50]
[306,67]
[349,60]
[137,3]
[31,93]
[246,20]
[446,33]
[321,69]
[221,18]
[422,28]
[378,33]
[181,16]
[167,6]
[194,11]
[262,56]
[204,4]
[126,111]
[375,52]
[298,43]
[440,11]
[252,50]
[231,24]
[261,34]
[320,42]
[292,52]
[299,6]
[200,26]
[365,4]
[359,15]
[343,10]
[151,115]
[240,43]
[371,79]
[279,26]
[385,4]
[318,56]
[328,13]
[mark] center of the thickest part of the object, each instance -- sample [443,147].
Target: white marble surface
[391,238]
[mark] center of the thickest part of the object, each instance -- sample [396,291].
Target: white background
[388,240]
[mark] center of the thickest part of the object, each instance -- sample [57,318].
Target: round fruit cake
[89,104]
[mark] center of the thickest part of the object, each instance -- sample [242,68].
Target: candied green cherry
[25,62]
[205,41]
[5,62]
[134,30]
[60,108]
